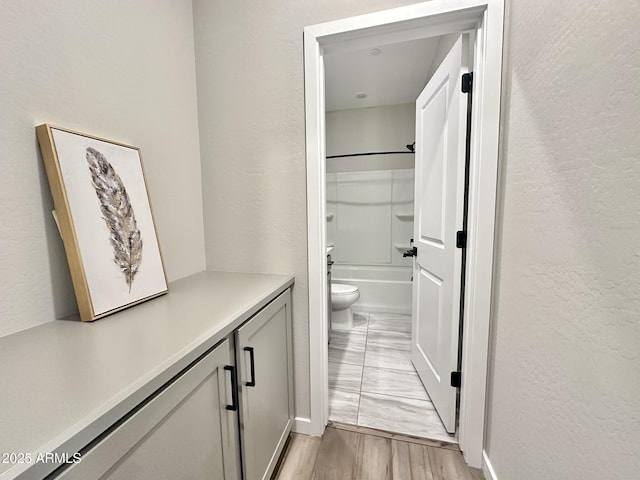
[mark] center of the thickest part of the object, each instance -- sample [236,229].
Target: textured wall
[565,383]
[251,113]
[118,69]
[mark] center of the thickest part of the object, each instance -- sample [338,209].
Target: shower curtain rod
[411,147]
[365,154]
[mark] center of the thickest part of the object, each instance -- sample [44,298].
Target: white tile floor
[372,381]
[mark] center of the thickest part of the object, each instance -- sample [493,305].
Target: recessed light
[361,95]
[374,51]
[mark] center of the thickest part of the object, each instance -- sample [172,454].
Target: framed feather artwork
[105,219]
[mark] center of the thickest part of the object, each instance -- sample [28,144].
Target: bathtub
[382,289]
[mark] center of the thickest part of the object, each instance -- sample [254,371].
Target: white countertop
[65,382]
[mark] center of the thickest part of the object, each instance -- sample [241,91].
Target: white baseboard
[487,468]
[302,425]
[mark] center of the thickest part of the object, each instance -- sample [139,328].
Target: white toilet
[342,297]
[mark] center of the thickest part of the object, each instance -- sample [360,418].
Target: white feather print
[124,235]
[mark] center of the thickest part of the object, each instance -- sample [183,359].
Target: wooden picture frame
[105,219]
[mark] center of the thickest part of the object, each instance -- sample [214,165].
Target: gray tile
[343,406]
[345,376]
[349,338]
[390,322]
[393,340]
[360,321]
[402,415]
[383,357]
[347,347]
[393,382]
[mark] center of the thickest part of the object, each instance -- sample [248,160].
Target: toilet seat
[341,289]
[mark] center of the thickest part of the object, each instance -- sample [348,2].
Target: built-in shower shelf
[404,215]
[402,246]
[329,217]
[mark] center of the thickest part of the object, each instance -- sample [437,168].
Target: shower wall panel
[370,216]
[363,217]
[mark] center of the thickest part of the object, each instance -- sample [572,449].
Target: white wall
[251,113]
[445,43]
[121,70]
[565,383]
[376,129]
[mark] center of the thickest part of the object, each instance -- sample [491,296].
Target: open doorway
[370,121]
[429,19]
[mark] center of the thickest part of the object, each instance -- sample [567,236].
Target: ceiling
[394,76]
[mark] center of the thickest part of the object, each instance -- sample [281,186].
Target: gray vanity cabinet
[185,431]
[265,362]
[229,412]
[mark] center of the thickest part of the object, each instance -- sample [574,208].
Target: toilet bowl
[342,297]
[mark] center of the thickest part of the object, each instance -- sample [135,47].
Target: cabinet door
[264,353]
[184,432]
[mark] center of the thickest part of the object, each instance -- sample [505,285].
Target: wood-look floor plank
[299,459]
[448,465]
[410,461]
[373,458]
[476,474]
[347,455]
[337,456]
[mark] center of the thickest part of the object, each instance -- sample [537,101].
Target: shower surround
[369,224]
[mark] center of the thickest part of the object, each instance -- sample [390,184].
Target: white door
[439,196]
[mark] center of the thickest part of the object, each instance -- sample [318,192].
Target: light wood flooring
[354,453]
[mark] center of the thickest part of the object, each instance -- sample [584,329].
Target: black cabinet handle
[251,383]
[234,387]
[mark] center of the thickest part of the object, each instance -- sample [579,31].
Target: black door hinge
[456,379]
[461,239]
[467,82]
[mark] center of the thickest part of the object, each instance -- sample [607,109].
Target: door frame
[427,19]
